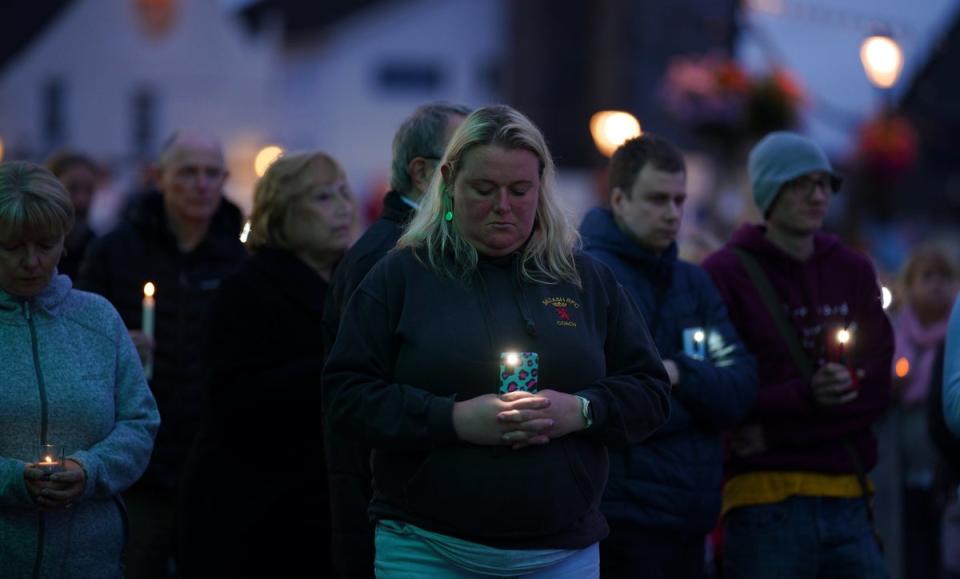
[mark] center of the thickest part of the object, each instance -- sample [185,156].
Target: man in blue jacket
[663,496]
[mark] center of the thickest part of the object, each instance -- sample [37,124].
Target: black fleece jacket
[144,249]
[412,342]
[348,463]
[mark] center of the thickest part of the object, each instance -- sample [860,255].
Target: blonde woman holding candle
[72,380]
[473,477]
[263,399]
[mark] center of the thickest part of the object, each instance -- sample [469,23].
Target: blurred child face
[81,183]
[932,290]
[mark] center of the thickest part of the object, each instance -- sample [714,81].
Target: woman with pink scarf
[929,283]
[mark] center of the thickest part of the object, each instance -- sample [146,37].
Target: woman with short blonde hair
[288,180]
[32,200]
[265,332]
[79,419]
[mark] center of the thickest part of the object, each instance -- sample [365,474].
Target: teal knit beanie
[781,157]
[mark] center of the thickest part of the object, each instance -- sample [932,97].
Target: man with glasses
[184,239]
[796,500]
[418,147]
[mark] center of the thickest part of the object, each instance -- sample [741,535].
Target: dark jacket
[144,249]
[836,287]
[673,479]
[363,255]
[412,342]
[348,464]
[261,427]
[75,247]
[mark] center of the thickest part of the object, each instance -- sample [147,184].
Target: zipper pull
[26,309]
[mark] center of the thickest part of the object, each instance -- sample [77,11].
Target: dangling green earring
[448,203]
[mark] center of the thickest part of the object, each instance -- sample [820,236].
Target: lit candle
[843,336]
[902,368]
[51,458]
[147,326]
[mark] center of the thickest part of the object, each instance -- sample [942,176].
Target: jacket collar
[50,300]
[753,238]
[149,215]
[601,232]
[292,276]
[395,209]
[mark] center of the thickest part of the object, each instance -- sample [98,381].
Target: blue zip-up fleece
[70,376]
[673,479]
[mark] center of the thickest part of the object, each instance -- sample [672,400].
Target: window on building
[54,113]
[490,77]
[143,117]
[422,77]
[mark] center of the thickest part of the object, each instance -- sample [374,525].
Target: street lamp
[610,129]
[265,157]
[882,60]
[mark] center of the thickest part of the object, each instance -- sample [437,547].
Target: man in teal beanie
[781,157]
[796,499]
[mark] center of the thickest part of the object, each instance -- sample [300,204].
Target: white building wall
[209,73]
[206,73]
[332,100]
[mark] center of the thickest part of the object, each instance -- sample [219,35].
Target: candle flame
[48,459]
[513,359]
[149,289]
[698,336]
[902,368]
[843,336]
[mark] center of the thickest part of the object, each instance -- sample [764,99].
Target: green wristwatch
[585,412]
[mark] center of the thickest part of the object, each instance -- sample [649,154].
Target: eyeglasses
[806,184]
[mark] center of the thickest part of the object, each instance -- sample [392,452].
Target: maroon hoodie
[836,287]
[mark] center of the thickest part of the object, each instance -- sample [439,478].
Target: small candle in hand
[147,325]
[843,336]
[51,459]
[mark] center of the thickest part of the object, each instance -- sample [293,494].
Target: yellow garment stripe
[764,488]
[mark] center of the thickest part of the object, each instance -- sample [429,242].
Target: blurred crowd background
[871,80]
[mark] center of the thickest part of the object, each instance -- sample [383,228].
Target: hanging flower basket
[724,105]
[887,145]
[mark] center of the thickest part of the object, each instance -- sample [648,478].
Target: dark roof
[301,18]
[23,24]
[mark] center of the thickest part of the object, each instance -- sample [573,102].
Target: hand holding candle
[836,382]
[147,325]
[53,481]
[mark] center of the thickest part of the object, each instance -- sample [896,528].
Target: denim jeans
[802,538]
[632,551]
[401,553]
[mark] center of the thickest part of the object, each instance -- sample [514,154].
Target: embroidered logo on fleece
[563,307]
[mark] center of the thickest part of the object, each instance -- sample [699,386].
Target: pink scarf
[918,344]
